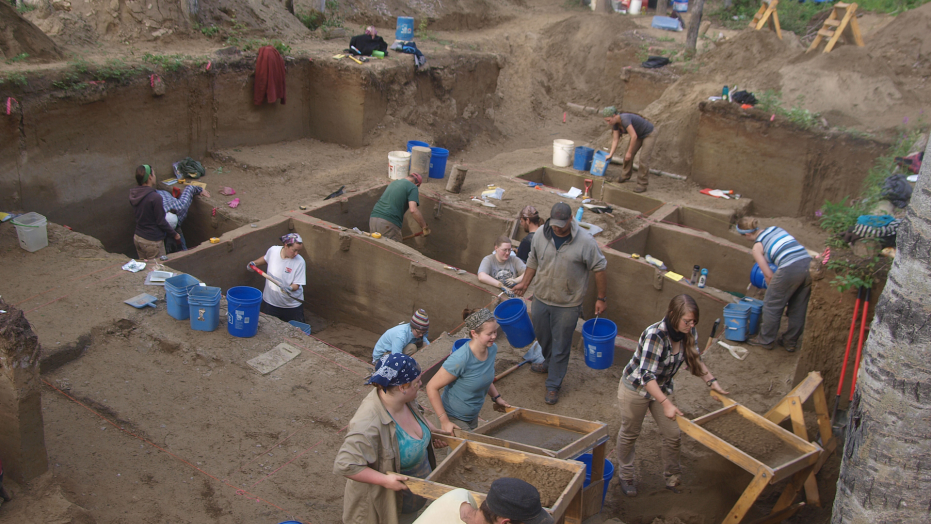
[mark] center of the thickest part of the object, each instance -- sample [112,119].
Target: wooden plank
[484,439]
[571,497]
[500,421]
[812,496]
[432,490]
[797,418]
[592,495]
[721,447]
[453,457]
[791,490]
[723,399]
[832,23]
[826,33]
[714,414]
[804,390]
[824,417]
[749,496]
[561,421]
[774,22]
[788,469]
[584,444]
[779,516]
[855,31]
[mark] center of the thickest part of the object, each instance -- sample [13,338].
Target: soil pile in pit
[476,473]
[539,435]
[752,439]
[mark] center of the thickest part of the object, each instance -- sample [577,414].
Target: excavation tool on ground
[798,462]
[417,234]
[843,368]
[275,281]
[711,337]
[141,301]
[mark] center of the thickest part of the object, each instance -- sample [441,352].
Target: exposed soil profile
[539,435]
[476,473]
[752,439]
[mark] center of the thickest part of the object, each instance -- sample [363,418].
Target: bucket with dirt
[399,164]
[562,152]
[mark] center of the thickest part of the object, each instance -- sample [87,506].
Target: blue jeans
[553,327]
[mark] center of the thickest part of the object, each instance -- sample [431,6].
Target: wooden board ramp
[795,466]
[843,18]
[767,13]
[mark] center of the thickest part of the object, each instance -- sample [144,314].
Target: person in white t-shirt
[286,265]
[509,501]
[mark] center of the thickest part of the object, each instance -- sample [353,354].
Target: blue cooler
[583,158]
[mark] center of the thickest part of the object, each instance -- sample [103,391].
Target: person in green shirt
[399,197]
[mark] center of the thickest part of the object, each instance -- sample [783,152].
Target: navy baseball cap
[515,499]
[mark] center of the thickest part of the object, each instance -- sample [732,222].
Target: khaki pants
[386,228]
[633,409]
[645,147]
[148,249]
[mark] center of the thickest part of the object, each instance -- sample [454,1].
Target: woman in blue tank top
[788,288]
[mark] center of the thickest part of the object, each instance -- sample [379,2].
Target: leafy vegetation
[169,63]
[852,272]
[18,58]
[329,18]
[771,102]
[13,78]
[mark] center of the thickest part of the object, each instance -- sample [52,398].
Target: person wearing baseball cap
[406,337]
[287,266]
[399,197]
[510,500]
[563,256]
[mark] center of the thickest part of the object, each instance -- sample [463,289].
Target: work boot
[5,495]
[672,483]
[542,367]
[552,396]
[782,342]
[640,189]
[755,341]
[629,488]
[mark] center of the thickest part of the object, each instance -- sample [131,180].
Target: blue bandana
[394,369]
[746,231]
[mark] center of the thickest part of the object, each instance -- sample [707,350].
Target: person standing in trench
[642,137]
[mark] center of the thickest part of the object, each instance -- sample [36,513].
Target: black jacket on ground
[366,44]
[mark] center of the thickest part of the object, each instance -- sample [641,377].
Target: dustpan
[141,301]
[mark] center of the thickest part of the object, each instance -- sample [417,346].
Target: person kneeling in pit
[404,338]
[500,268]
[509,500]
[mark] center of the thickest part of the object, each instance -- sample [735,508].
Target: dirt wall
[762,159]
[827,327]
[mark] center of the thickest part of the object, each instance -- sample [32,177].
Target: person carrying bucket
[287,265]
[399,197]
[500,268]
[563,255]
[647,385]
[387,434]
[788,289]
[405,338]
[642,137]
[467,375]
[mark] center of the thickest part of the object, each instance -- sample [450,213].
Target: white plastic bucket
[399,164]
[562,152]
[635,6]
[32,231]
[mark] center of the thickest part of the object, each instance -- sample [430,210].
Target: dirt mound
[82,23]
[19,36]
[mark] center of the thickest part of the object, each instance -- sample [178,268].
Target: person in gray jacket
[563,255]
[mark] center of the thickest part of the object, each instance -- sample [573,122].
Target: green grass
[771,102]
[169,63]
[18,58]
[13,78]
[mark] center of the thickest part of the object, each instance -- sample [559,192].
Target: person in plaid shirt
[647,385]
[179,207]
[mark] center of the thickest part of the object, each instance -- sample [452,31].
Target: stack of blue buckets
[742,319]
[187,299]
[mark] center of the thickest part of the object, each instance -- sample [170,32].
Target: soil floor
[148,421]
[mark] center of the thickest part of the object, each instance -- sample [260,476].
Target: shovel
[141,301]
[275,281]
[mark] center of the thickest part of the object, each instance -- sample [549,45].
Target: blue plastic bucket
[242,311]
[300,325]
[680,6]
[599,163]
[459,343]
[736,318]
[405,30]
[412,143]
[514,320]
[598,336]
[756,314]
[204,308]
[756,275]
[438,158]
[608,474]
[176,291]
[583,158]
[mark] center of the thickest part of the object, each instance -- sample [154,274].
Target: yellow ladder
[767,13]
[835,25]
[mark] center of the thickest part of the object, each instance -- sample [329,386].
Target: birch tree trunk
[885,473]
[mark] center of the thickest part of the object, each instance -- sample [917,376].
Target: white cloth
[445,510]
[288,271]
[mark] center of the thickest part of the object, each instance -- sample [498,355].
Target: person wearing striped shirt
[788,288]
